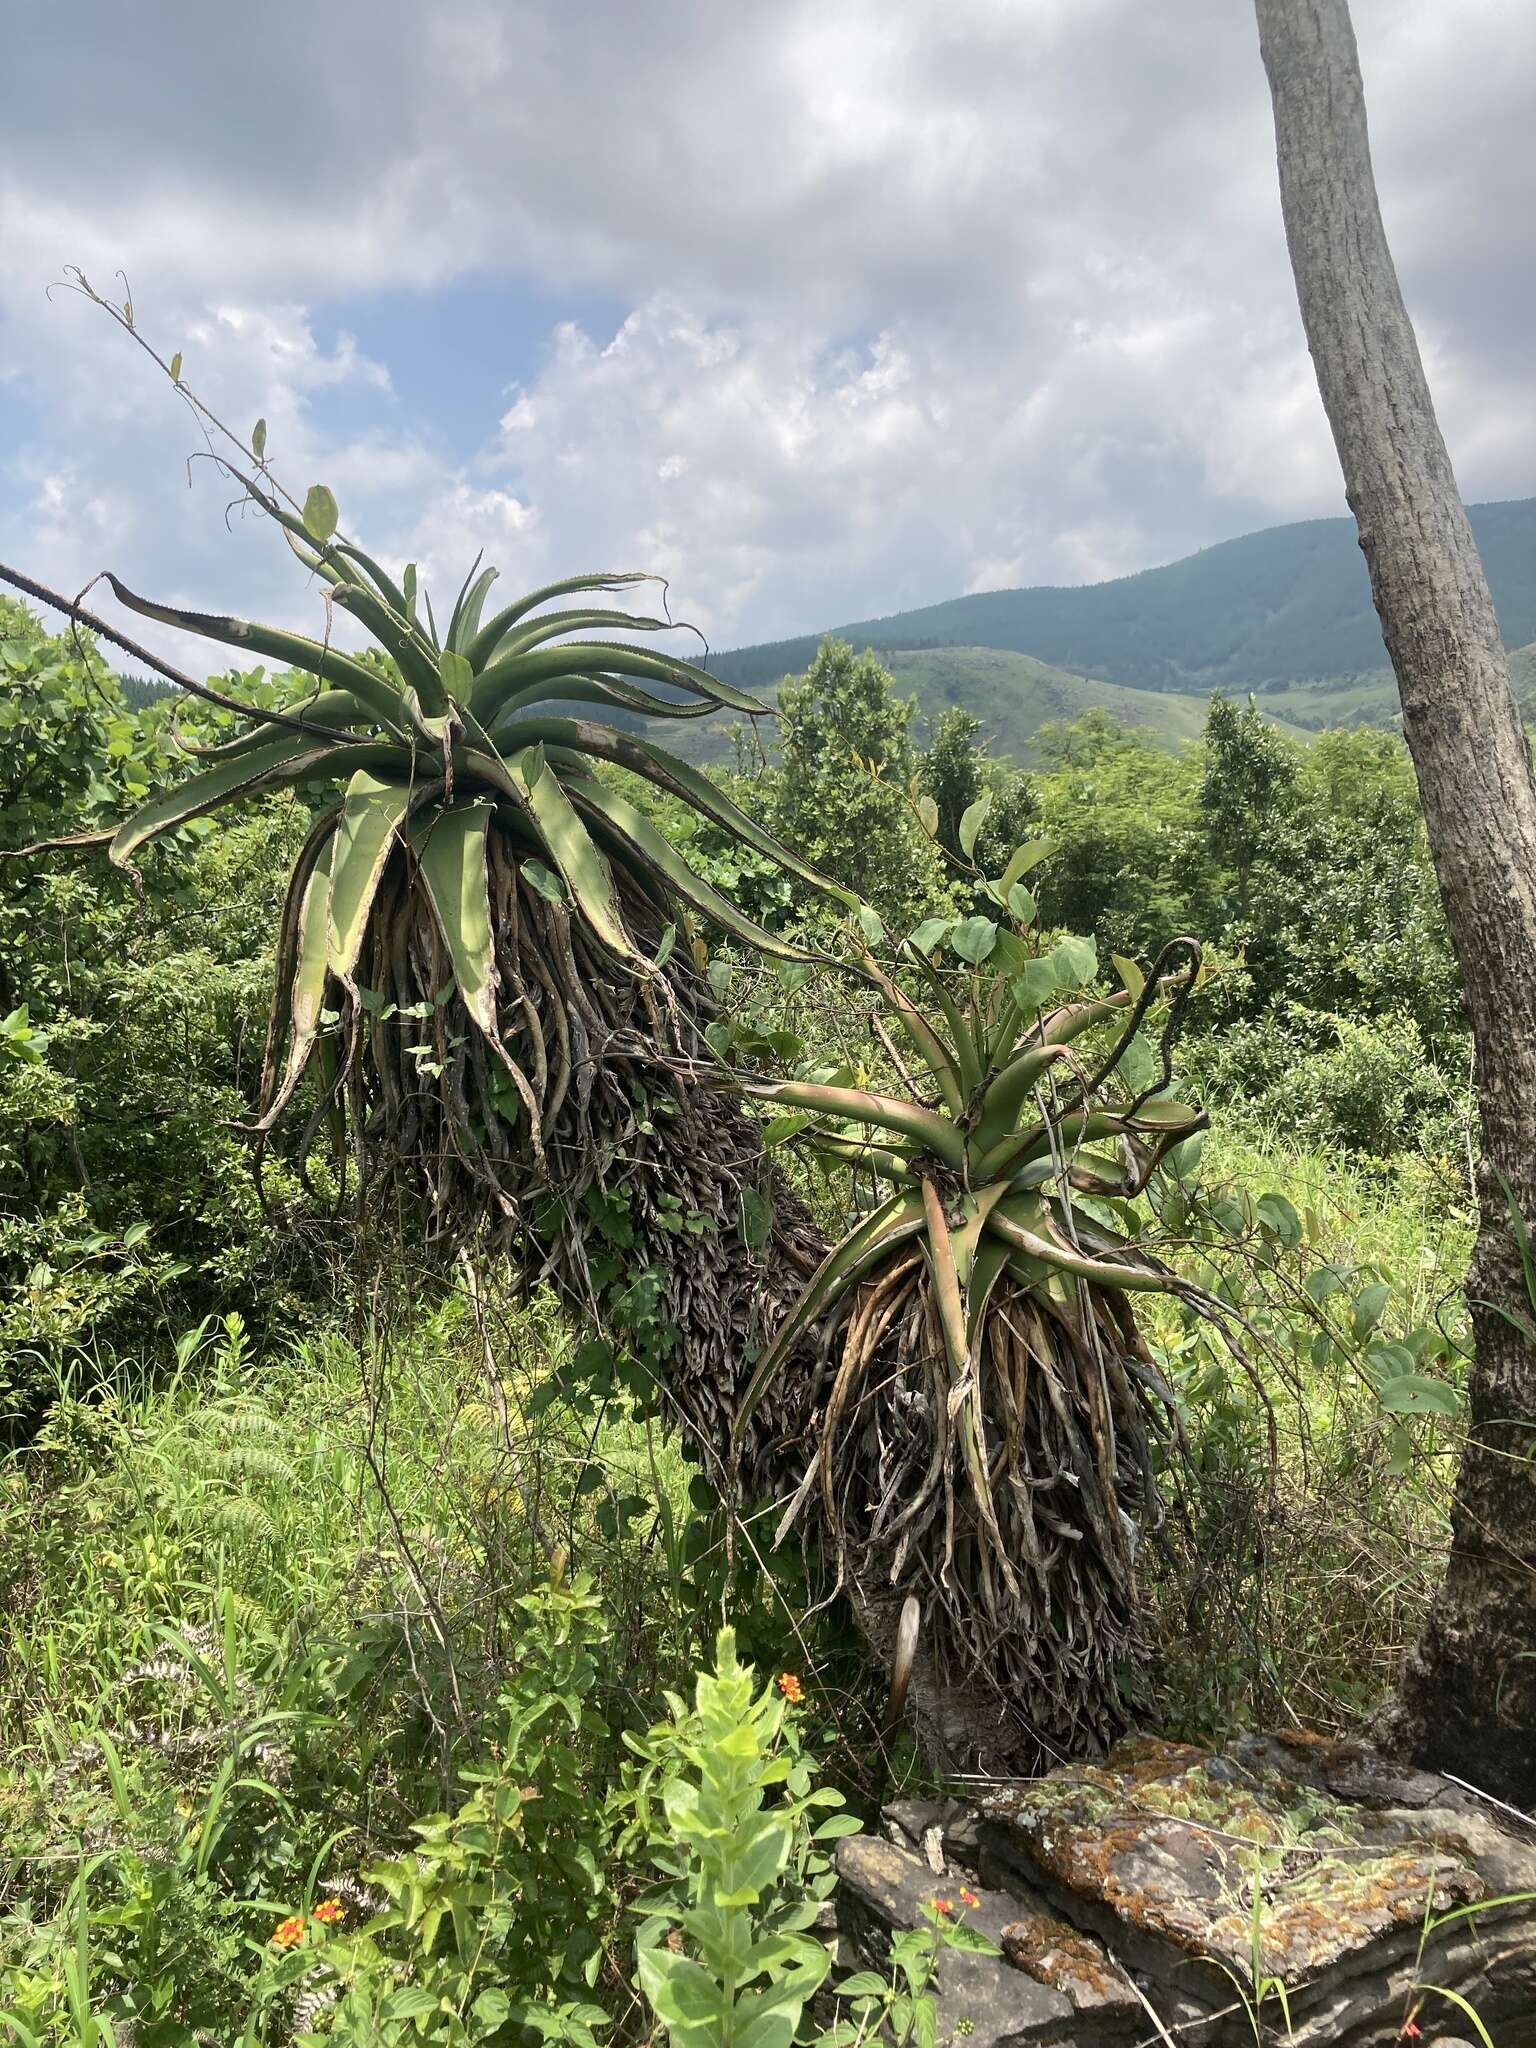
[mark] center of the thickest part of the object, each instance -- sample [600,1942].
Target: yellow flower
[329,1911]
[290,1932]
[791,1688]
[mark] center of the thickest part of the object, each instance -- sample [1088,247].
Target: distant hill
[1288,605]
[1012,694]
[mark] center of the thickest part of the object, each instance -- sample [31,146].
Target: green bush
[1366,1085]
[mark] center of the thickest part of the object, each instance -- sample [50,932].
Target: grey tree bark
[1467,1697]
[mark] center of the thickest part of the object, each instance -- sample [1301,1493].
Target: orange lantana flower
[290,1932]
[791,1688]
[329,1911]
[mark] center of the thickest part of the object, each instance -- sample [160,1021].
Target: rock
[1175,1861]
[982,2001]
[1122,1897]
[910,1823]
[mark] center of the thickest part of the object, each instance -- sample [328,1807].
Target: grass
[1316,1521]
[254,1620]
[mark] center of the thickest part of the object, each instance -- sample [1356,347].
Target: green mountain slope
[1014,695]
[1288,604]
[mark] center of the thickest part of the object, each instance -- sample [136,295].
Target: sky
[819,308]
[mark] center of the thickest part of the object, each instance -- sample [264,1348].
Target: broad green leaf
[1325,1280]
[928,813]
[259,440]
[973,939]
[869,924]
[319,512]
[1131,976]
[456,674]
[548,885]
[1137,1066]
[1412,1393]
[930,931]
[1369,1304]
[1077,959]
[1022,859]
[1278,1214]
[779,1129]
[1033,987]
[970,825]
[1021,904]
[372,815]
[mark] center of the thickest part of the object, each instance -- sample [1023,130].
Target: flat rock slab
[1159,1887]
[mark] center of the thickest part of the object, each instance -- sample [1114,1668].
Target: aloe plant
[480,944]
[985,1443]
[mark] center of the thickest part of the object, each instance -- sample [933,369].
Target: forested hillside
[1290,604]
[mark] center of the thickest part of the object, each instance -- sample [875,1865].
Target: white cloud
[921,300]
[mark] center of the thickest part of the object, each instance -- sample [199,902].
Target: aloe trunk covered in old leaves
[986,1424]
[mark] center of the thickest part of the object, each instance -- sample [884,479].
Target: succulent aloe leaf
[330,712]
[1032,1238]
[1008,1091]
[466,618]
[327,663]
[640,838]
[450,641]
[450,847]
[873,1158]
[842,1268]
[490,636]
[305,993]
[587,873]
[961,1038]
[512,672]
[554,625]
[388,589]
[939,1249]
[372,814]
[412,654]
[934,1134]
[290,759]
[934,1053]
[609,691]
[991,1259]
[655,765]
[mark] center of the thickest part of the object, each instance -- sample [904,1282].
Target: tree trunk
[1467,1700]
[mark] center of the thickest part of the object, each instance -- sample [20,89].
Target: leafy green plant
[900,2005]
[496,1921]
[994,1406]
[725,1954]
[489,953]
